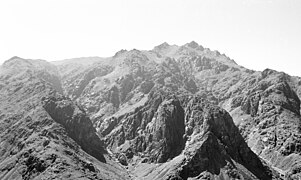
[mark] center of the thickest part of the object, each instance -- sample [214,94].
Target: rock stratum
[173,112]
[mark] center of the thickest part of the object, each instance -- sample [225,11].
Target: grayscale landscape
[150,90]
[173,112]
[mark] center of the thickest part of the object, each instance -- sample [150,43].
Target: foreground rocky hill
[44,135]
[174,112]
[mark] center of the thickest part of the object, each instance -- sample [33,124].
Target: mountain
[173,112]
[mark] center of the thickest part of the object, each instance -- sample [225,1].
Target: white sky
[255,33]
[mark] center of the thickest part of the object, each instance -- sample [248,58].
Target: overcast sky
[257,34]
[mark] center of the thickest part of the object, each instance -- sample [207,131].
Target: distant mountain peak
[162,46]
[14,61]
[193,44]
[14,57]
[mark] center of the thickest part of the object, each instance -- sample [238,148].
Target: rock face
[167,129]
[174,112]
[76,123]
[156,130]
[215,145]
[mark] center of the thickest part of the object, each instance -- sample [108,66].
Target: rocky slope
[174,112]
[43,134]
[211,145]
[269,119]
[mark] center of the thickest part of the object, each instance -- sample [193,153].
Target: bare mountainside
[173,112]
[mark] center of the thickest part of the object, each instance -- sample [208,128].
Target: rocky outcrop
[156,130]
[165,133]
[76,122]
[215,145]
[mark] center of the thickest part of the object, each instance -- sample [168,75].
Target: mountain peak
[193,44]
[14,61]
[162,46]
[120,52]
[14,57]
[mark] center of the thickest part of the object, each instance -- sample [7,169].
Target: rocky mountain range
[173,112]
